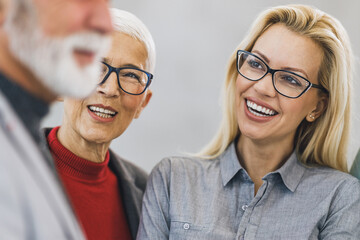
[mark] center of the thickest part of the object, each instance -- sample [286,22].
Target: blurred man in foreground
[47,49]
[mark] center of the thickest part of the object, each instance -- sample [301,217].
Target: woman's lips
[257,112]
[102,113]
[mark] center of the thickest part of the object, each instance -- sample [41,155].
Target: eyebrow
[285,68]
[262,56]
[107,60]
[131,66]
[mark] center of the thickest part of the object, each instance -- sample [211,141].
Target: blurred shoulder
[126,168]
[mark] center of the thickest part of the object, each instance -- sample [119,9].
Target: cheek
[295,110]
[73,111]
[242,84]
[130,103]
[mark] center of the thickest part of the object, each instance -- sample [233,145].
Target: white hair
[129,24]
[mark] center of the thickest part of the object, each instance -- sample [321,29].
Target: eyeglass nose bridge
[271,71]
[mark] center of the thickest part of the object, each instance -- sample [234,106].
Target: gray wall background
[194,39]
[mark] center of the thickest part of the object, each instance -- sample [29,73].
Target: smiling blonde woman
[276,168]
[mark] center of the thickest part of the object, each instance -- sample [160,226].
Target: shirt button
[244,207]
[186,226]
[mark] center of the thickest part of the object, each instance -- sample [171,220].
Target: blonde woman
[276,168]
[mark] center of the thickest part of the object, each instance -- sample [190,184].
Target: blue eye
[132,75]
[253,63]
[290,79]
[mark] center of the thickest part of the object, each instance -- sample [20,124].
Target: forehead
[287,49]
[127,50]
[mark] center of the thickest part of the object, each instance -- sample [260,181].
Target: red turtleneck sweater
[93,191]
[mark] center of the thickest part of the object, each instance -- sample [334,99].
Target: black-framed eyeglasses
[285,82]
[131,80]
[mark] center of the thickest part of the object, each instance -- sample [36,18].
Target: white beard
[51,59]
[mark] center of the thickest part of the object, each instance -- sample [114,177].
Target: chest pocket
[186,230]
[190,231]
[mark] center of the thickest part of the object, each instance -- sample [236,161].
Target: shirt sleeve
[343,221]
[155,219]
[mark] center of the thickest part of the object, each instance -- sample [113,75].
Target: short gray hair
[129,24]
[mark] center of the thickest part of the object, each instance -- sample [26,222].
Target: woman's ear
[144,103]
[59,99]
[318,110]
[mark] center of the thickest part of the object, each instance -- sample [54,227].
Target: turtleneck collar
[68,163]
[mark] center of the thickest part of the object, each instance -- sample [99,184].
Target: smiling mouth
[102,112]
[260,111]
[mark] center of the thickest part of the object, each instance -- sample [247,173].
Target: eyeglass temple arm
[318,87]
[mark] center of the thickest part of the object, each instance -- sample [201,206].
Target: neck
[20,74]
[260,158]
[74,142]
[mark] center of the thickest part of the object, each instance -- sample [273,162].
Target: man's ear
[319,109]
[144,103]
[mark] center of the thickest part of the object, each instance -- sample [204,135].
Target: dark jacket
[132,182]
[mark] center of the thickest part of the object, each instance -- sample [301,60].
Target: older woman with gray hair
[105,190]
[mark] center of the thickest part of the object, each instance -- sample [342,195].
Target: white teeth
[103,115]
[257,114]
[102,112]
[256,109]
[259,108]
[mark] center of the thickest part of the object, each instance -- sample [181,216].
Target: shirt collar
[291,172]
[229,164]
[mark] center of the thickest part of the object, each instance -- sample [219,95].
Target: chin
[98,140]
[95,135]
[253,134]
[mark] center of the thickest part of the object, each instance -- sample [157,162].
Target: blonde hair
[325,141]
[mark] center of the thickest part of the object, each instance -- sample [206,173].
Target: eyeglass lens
[286,83]
[132,81]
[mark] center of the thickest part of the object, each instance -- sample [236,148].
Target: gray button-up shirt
[191,198]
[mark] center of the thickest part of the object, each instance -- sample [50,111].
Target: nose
[99,18]
[110,87]
[265,86]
